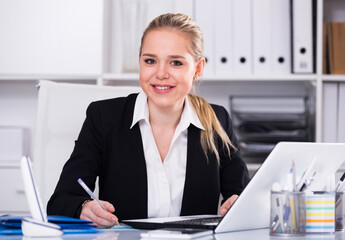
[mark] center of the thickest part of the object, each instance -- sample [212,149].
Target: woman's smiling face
[167,68]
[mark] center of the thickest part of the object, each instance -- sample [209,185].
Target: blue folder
[11,225]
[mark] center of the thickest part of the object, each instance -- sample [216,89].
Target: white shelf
[337,78]
[9,164]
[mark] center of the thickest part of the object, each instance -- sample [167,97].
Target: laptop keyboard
[200,221]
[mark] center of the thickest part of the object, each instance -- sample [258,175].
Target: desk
[262,234]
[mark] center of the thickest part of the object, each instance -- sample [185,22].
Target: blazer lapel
[140,177]
[202,186]
[138,183]
[193,157]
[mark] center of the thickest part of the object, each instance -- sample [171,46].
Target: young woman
[162,152]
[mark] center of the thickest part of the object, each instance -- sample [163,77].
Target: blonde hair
[184,24]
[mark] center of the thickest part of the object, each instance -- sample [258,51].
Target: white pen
[93,196]
[302,183]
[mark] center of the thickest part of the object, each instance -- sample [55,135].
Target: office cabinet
[82,42]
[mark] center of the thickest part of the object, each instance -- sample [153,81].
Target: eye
[176,63]
[149,61]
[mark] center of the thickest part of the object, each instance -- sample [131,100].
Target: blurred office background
[276,86]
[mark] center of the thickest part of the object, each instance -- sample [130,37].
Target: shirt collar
[141,112]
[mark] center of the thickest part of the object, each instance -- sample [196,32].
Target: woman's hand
[227,204]
[92,211]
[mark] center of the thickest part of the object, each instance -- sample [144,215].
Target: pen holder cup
[287,213]
[321,211]
[339,211]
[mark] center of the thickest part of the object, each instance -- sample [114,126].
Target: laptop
[252,208]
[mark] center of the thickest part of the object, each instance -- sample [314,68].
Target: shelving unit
[18,93]
[118,78]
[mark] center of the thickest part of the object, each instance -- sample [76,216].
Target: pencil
[294,176]
[292,212]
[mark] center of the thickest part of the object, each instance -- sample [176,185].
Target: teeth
[162,88]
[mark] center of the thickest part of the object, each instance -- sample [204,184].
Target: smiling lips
[162,89]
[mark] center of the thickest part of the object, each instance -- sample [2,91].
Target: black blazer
[108,148]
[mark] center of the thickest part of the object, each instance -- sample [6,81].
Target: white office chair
[60,115]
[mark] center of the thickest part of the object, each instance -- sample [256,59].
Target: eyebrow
[148,55]
[176,56]
[170,56]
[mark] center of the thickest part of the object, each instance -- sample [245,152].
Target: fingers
[227,204]
[92,211]
[233,199]
[108,206]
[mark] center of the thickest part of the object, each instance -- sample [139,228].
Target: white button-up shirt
[165,179]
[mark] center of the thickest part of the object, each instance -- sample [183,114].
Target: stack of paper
[261,122]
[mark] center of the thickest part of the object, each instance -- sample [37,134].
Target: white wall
[51,37]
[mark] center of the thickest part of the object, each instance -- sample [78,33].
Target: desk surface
[262,234]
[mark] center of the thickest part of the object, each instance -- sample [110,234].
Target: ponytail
[212,125]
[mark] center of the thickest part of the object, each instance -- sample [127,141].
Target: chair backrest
[60,115]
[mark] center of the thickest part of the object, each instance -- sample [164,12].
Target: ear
[199,70]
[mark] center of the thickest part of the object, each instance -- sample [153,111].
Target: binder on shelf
[261,36]
[336,48]
[204,16]
[330,109]
[242,36]
[325,52]
[280,37]
[224,60]
[330,51]
[302,36]
[341,113]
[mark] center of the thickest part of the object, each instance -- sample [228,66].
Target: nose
[162,72]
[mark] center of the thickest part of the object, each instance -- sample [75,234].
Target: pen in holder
[287,213]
